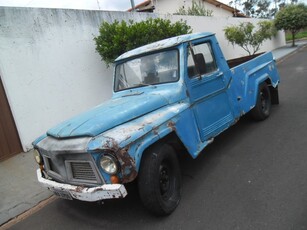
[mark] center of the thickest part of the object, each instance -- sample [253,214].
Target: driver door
[207,88]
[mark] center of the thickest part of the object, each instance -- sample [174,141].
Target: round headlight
[108,164]
[37,157]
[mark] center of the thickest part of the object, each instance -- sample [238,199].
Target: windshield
[151,69]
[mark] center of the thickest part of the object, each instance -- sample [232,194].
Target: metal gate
[9,139]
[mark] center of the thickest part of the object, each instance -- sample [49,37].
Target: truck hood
[108,115]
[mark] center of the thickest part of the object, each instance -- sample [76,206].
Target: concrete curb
[297,49]
[28,213]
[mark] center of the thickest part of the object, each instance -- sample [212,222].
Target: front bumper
[106,191]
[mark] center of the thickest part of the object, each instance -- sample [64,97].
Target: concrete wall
[50,69]
[217,25]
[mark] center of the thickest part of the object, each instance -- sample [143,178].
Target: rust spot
[171,125]
[155,130]
[111,144]
[79,188]
[128,168]
[127,163]
[98,189]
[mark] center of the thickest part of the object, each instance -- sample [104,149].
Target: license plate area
[62,194]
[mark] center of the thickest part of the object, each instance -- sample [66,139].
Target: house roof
[235,11]
[163,44]
[148,6]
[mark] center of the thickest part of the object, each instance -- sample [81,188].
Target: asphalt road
[254,176]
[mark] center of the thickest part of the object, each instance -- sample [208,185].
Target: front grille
[82,171]
[72,168]
[51,165]
[75,167]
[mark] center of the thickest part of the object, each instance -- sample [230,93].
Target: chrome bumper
[106,191]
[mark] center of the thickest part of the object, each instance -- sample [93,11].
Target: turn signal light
[114,179]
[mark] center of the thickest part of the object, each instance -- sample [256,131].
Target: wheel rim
[165,180]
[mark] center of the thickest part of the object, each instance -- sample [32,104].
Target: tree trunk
[293,39]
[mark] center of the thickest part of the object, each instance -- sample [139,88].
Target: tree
[260,8]
[246,37]
[117,38]
[254,8]
[292,18]
[197,9]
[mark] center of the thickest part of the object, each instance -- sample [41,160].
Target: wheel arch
[170,138]
[273,87]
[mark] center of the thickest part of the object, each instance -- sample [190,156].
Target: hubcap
[164,180]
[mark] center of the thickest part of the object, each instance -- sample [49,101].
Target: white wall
[217,25]
[50,69]
[172,6]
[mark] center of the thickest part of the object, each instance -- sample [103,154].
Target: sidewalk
[282,52]
[19,189]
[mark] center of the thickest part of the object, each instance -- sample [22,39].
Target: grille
[82,171]
[72,168]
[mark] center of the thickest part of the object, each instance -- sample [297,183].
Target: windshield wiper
[142,84]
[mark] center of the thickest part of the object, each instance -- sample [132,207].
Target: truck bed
[248,73]
[237,61]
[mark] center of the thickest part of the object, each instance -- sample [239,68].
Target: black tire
[262,109]
[159,180]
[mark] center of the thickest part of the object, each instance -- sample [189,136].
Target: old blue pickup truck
[169,97]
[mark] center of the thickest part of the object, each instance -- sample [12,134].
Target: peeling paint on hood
[108,115]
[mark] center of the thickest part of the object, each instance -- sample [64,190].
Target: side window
[200,60]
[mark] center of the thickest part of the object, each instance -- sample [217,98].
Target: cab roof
[162,44]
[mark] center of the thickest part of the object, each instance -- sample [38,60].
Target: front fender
[128,141]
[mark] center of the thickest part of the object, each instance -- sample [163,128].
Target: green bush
[249,39]
[118,37]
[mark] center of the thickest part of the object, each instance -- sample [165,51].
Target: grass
[299,35]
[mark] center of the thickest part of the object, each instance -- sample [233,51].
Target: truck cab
[178,92]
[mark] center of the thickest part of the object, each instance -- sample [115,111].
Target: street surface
[253,176]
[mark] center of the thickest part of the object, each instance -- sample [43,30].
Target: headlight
[108,164]
[37,157]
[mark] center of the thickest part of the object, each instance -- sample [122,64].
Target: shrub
[197,9]
[249,39]
[118,37]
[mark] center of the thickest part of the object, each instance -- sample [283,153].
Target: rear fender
[273,87]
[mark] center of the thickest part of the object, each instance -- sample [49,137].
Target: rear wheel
[159,180]
[262,109]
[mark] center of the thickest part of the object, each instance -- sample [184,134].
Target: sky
[75,4]
[120,5]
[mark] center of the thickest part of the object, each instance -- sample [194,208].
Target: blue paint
[108,115]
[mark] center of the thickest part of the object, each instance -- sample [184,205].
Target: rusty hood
[108,115]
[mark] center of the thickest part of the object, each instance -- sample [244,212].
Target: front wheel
[262,109]
[159,180]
